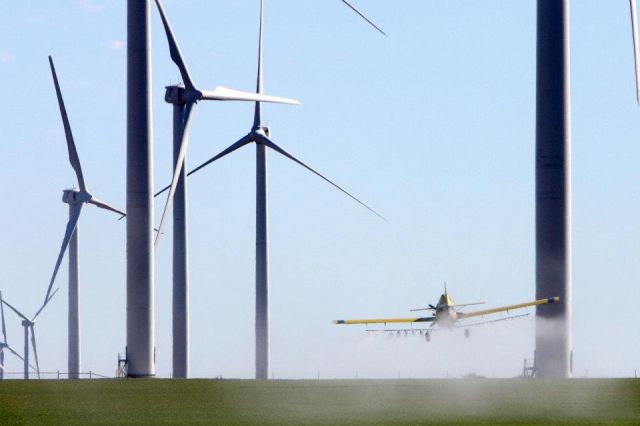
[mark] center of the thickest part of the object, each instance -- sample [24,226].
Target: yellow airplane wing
[462,315]
[384,320]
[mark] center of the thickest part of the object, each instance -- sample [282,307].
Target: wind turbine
[553,355]
[259,135]
[28,324]
[184,97]
[76,199]
[5,344]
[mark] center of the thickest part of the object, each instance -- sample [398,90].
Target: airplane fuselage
[445,313]
[446,318]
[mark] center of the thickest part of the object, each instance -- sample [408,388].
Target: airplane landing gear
[427,336]
[467,333]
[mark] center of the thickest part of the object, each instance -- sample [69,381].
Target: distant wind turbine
[76,200]
[5,343]
[259,135]
[184,97]
[28,324]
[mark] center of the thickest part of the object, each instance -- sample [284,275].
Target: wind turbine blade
[4,327]
[188,114]
[221,93]
[45,304]
[174,49]
[266,141]
[20,314]
[35,349]
[242,142]
[364,17]
[71,227]
[636,43]
[257,117]
[14,352]
[259,82]
[18,355]
[158,193]
[71,146]
[105,206]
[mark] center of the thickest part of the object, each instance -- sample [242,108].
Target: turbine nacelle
[191,95]
[179,94]
[262,130]
[27,323]
[174,94]
[75,196]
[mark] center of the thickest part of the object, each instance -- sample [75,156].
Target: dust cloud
[491,350]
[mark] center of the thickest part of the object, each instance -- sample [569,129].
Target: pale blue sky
[433,126]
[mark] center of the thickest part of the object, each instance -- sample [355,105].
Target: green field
[473,401]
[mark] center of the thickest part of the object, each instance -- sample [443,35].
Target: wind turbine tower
[553,189]
[180,301]
[140,286]
[553,356]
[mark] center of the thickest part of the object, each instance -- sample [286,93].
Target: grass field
[473,402]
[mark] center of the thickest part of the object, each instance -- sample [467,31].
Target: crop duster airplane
[446,315]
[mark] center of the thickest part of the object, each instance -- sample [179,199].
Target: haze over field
[398,402]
